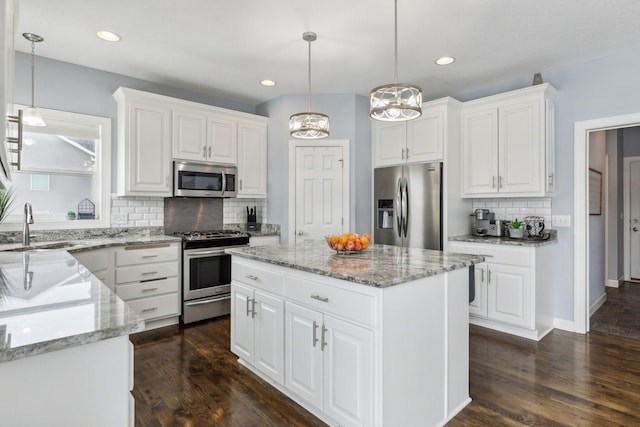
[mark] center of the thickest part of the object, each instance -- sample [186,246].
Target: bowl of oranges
[348,243]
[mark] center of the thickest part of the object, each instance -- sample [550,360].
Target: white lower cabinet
[513,292]
[257,333]
[98,262]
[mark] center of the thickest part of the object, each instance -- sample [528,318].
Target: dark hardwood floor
[620,314]
[188,377]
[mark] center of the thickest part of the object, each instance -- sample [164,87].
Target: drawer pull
[146,310]
[149,290]
[149,272]
[149,256]
[319,298]
[251,276]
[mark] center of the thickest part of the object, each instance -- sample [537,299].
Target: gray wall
[69,87]
[348,119]
[597,161]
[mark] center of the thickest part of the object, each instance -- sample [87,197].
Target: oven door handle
[207,301]
[203,253]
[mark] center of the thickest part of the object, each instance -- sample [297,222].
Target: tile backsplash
[510,209]
[149,211]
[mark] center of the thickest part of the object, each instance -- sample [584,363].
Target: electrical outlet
[119,218]
[561,220]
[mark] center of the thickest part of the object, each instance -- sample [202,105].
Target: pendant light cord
[309,92]
[395,38]
[33,72]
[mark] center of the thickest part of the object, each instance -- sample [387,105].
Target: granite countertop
[48,302]
[547,239]
[379,266]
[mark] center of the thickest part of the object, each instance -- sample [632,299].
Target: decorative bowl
[348,243]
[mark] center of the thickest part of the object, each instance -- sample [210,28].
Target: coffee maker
[485,224]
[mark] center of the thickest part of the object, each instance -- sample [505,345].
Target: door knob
[299,233]
[635,228]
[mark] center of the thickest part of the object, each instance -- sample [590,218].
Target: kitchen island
[377,338]
[65,355]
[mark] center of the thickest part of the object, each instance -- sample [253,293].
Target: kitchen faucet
[28,219]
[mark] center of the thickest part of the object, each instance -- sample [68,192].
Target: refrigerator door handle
[405,206]
[398,207]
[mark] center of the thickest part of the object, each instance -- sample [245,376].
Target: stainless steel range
[206,272]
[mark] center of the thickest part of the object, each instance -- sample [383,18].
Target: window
[64,164]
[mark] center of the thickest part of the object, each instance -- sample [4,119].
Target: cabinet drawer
[156,307]
[258,277]
[328,299]
[147,289]
[499,254]
[146,272]
[142,254]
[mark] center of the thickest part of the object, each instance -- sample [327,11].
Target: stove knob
[195,236]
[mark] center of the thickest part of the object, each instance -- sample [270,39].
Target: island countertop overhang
[378,266]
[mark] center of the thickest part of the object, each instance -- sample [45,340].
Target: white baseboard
[597,303]
[612,283]
[565,325]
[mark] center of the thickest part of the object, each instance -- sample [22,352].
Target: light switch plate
[561,220]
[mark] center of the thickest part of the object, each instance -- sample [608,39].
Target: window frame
[103,186]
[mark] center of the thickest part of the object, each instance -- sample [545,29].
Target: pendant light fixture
[397,101]
[31,116]
[309,125]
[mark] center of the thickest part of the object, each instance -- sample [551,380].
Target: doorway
[581,209]
[318,189]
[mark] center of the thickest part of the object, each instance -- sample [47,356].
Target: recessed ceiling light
[268,83]
[108,36]
[445,60]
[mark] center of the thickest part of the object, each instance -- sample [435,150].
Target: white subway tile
[534,204]
[150,216]
[506,204]
[136,203]
[135,217]
[492,204]
[156,210]
[143,223]
[142,210]
[119,202]
[519,204]
[127,210]
[156,223]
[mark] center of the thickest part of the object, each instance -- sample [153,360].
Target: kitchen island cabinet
[378,338]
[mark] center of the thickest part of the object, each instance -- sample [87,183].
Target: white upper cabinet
[189,134]
[144,145]
[507,144]
[252,159]
[413,141]
[7,57]
[222,140]
[154,130]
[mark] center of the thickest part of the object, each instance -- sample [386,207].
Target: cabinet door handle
[407,153]
[493,182]
[319,298]
[500,182]
[240,184]
[323,344]
[482,277]
[146,273]
[204,151]
[253,308]
[146,310]
[315,337]
[403,154]
[251,276]
[551,179]
[248,309]
[209,151]
[488,275]
[149,290]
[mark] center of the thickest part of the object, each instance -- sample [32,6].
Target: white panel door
[480,151]
[521,153]
[242,323]
[303,355]
[389,143]
[252,160]
[269,336]
[348,373]
[425,137]
[222,140]
[149,148]
[509,294]
[319,190]
[189,134]
[478,306]
[634,203]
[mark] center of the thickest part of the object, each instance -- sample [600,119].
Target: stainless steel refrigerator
[408,205]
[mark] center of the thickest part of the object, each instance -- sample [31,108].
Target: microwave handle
[224,182]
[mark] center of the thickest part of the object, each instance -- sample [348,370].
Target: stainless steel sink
[44,247]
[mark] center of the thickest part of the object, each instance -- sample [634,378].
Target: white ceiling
[226,47]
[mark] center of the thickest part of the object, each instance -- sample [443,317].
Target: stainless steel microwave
[203,180]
